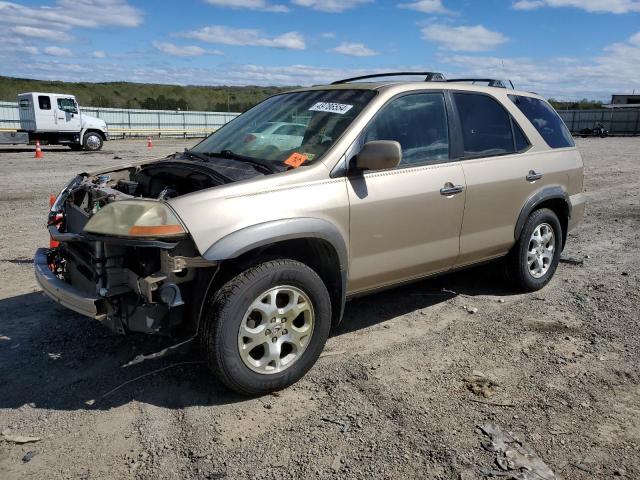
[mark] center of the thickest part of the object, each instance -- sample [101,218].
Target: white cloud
[328,35]
[250,4]
[246,37]
[528,4]
[223,74]
[426,6]
[615,70]
[179,51]
[330,5]
[12,45]
[58,52]
[183,50]
[99,54]
[54,23]
[43,33]
[467,39]
[635,39]
[28,49]
[594,6]
[354,50]
[72,13]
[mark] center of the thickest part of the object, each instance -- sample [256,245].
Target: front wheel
[266,327]
[92,141]
[535,256]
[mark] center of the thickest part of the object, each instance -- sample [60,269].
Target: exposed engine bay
[139,284]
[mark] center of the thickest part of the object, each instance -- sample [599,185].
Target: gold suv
[251,242]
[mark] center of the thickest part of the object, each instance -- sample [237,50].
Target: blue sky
[560,48]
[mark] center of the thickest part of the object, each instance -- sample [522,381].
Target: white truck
[56,119]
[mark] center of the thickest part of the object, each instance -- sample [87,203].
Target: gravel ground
[392,397]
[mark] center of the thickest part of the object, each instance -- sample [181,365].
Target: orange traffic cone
[39,153]
[52,199]
[149,142]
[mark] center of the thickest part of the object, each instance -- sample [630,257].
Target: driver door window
[401,226]
[419,123]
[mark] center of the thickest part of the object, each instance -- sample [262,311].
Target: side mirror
[379,155]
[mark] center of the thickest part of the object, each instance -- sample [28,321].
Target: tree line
[143,95]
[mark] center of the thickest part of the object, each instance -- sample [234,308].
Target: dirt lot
[391,400]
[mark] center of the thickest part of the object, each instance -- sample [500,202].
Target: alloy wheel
[276,329]
[541,250]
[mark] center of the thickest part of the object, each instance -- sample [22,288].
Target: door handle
[451,189]
[533,176]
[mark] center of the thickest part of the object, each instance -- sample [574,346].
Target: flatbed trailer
[14,138]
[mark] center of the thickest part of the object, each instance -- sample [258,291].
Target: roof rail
[429,76]
[493,82]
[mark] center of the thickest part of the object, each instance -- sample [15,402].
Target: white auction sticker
[340,108]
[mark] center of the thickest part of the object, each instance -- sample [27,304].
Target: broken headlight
[136,218]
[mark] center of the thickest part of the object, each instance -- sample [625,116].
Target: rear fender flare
[551,192]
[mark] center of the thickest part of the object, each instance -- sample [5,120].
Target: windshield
[288,130]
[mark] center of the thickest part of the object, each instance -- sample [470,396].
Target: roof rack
[429,76]
[493,82]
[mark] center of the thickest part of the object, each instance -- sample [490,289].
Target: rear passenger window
[44,102]
[546,120]
[486,126]
[419,123]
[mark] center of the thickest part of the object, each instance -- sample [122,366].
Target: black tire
[518,271]
[92,141]
[227,307]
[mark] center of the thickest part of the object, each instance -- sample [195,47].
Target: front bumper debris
[65,294]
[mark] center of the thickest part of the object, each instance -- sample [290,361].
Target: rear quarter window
[44,102]
[545,120]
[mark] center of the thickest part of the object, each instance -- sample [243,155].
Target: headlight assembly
[136,218]
[62,196]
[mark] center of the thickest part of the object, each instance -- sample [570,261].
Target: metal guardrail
[137,122]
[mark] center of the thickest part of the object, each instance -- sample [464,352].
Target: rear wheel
[92,141]
[266,327]
[534,258]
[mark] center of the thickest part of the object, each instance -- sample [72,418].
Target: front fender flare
[262,234]
[268,233]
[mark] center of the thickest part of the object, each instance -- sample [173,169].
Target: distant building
[624,101]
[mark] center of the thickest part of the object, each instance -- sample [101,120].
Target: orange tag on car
[296,159]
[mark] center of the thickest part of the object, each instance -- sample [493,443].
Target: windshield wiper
[263,164]
[199,156]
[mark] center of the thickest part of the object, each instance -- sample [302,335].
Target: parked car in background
[281,136]
[255,255]
[56,119]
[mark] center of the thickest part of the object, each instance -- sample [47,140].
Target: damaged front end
[124,257]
